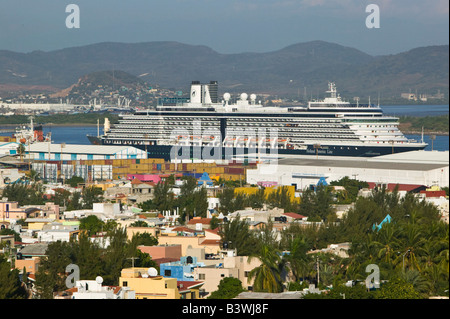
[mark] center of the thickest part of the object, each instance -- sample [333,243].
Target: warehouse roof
[414,161]
[80,148]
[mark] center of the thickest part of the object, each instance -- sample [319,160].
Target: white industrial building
[426,168]
[73,152]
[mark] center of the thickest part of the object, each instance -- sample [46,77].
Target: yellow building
[158,287]
[147,287]
[267,191]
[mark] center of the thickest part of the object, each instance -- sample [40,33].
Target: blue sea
[415,110]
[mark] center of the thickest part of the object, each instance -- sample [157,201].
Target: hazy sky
[227,26]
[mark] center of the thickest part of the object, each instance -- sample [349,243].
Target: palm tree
[33,176]
[267,276]
[21,151]
[412,239]
[420,283]
[298,259]
[387,242]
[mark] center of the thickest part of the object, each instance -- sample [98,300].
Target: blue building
[182,270]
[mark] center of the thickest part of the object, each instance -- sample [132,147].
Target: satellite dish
[226,96]
[244,96]
[152,272]
[253,97]
[99,280]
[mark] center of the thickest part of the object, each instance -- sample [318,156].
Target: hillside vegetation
[436,124]
[290,70]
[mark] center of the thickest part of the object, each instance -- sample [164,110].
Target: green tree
[74,181]
[21,151]
[10,285]
[226,201]
[267,276]
[139,223]
[298,259]
[281,198]
[91,224]
[317,205]
[163,196]
[74,202]
[228,288]
[51,274]
[192,200]
[91,195]
[214,223]
[144,239]
[24,194]
[352,187]
[397,289]
[237,235]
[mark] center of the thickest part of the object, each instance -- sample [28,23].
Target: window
[167,272]
[125,284]
[193,295]
[246,273]
[201,276]
[222,275]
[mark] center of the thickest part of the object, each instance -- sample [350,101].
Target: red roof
[401,187]
[186,285]
[199,220]
[434,193]
[214,231]
[136,181]
[294,215]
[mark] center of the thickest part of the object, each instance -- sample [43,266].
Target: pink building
[162,251]
[11,210]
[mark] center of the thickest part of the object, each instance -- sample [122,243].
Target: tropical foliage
[92,260]
[411,250]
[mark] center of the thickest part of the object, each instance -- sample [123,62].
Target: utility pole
[132,261]
[318,270]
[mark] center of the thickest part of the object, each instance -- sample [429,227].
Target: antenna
[132,260]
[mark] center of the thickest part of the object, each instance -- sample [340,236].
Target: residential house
[199,223]
[228,266]
[199,241]
[157,287]
[162,251]
[93,289]
[52,232]
[182,269]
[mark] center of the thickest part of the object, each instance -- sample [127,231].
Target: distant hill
[285,71]
[106,79]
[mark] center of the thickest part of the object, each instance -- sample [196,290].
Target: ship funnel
[106,126]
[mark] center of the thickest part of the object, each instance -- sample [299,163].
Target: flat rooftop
[408,161]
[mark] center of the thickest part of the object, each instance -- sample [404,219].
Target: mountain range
[296,69]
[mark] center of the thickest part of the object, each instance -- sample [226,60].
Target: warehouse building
[426,168]
[73,152]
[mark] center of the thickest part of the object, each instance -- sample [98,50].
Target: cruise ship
[205,126]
